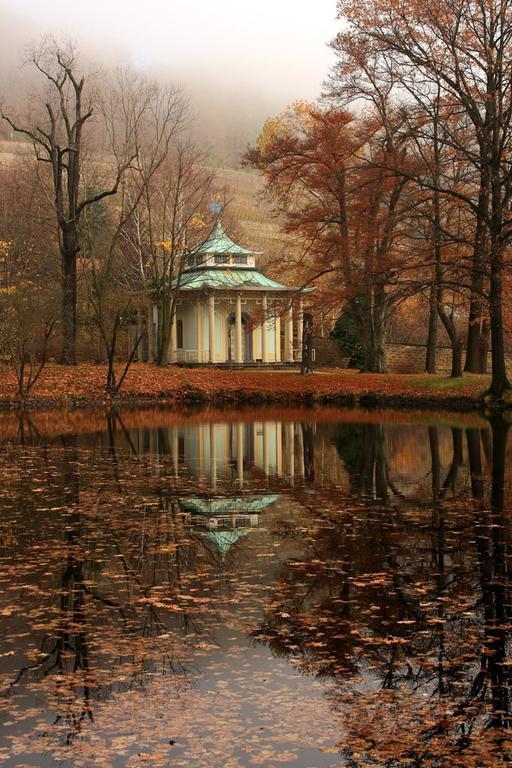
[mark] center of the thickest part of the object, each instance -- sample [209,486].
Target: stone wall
[400,358]
[410,358]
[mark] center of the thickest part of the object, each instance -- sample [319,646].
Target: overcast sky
[278,46]
[251,57]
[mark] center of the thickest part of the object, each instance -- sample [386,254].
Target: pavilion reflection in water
[229,453]
[224,521]
[223,456]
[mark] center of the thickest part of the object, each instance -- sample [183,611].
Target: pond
[303,588]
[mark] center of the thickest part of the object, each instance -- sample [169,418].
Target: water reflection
[187,590]
[232,453]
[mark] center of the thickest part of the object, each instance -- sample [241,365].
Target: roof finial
[216,208]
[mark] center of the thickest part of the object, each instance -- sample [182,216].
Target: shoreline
[369,401]
[82,387]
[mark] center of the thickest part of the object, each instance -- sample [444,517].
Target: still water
[257,588]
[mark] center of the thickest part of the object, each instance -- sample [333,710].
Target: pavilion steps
[243,366]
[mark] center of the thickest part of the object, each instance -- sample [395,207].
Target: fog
[240,61]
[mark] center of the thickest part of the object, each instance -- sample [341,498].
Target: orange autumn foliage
[60,385]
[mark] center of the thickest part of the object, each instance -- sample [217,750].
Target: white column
[173,341]
[151,335]
[266,467]
[240,454]
[155,330]
[279,449]
[264,330]
[300,327]
[201,429]
[302,468]
[290,449]
[289,335]
[175,450]
[211,328]
[213,457]
[277,328]
[199,329]
[140,348]
[238,330]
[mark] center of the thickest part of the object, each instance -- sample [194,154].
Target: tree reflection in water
[372,555]
[411,616]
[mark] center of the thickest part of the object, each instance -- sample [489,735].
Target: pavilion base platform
[253,365]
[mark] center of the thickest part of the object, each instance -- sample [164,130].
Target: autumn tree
[28,270]
[346,213]
[464,50]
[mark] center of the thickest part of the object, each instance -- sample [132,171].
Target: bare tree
[170,214]
[57,133]
[138,112]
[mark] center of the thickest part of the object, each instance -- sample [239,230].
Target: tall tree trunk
[163,331]
[306,366]
[379,330]
[430,361]
[69,250]
[370,313]
[484,346]
[446,319]
[499,382]
[455,341]
[473,361]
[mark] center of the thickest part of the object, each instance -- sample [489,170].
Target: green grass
[435,383]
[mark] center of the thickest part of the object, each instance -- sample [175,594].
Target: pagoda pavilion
[228,312]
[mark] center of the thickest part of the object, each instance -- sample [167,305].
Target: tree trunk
[455,342]
[163,331]
[69,250]
[430,361]
[499,382]
[473,361]
[446,319]
[370,313]
[140,334]
[472,364]
[484,346]
[306,366]
[379,329]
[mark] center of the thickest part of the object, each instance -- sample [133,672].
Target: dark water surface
[282,588]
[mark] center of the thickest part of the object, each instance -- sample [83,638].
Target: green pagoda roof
[217,278]
[224,540]
[226,506]
[219,242]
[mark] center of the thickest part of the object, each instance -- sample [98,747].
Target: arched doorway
[247,340]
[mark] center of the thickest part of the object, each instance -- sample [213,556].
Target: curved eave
[244,287]
[216,279]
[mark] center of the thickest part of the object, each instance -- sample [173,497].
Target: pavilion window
[239,258]
[222,258]
[200,259]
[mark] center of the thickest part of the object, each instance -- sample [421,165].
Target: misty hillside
[248,216]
